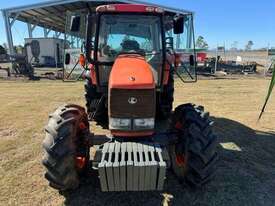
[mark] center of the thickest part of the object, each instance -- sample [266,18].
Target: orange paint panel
[180,160]
[131,72]
[82,60]
[166,74]
[80,162]
[131,8]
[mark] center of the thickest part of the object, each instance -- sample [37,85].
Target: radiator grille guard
[131,166]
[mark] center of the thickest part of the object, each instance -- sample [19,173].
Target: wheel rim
[181,160]
[80,162]
[82,156]
[179,149]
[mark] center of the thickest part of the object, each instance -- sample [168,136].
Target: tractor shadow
[245,176]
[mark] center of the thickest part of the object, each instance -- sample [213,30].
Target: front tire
[66,147]
[193,154]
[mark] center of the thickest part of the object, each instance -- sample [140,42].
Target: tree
[2,50]
[234,46]
[201,43]
[249,45]
[5,46]
[18,49]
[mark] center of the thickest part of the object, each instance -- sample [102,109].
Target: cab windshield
[128,34]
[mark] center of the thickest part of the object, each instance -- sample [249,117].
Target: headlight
[147,123]
[119,124]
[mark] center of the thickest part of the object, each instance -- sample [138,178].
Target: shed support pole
[57,34]
[77,42]
[8,32]
[72,41]
[46,32]
[29,30]
[14,19]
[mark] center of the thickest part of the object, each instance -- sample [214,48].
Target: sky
[220,22]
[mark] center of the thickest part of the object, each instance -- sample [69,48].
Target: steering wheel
[107,51]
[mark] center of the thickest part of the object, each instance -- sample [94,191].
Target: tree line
[201,43]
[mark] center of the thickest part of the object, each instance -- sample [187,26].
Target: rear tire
[193,155]
[65,142]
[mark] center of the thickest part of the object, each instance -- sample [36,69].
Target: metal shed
[51,15]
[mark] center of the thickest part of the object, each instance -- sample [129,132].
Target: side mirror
[191,60]
[67,58]
[75,24]
[178,23]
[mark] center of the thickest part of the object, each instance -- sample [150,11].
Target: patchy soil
[246,170]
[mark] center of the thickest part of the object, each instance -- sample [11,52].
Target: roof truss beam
[48,23]
[54,14]
[45,17]
[46,32]
[14,19]
[57,34]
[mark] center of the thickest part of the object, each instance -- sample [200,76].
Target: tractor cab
[136,35]
[133,52]
[163,39]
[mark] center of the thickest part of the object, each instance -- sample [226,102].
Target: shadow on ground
[245,175]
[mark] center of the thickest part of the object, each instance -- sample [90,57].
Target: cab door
[184,47]
[73,46]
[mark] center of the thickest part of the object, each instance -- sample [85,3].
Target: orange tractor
[131,63]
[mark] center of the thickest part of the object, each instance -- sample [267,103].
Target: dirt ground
[246,170]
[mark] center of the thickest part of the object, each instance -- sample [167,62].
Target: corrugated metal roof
[52,14]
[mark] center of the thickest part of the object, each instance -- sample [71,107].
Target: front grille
[120,107]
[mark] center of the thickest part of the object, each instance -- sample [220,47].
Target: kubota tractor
[132,60]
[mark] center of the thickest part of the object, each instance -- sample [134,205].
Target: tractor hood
[131,71]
